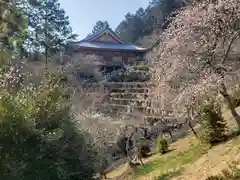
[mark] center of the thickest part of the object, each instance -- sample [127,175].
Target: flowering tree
[36,121]
[199,52]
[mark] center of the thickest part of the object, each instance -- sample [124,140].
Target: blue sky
[83,14]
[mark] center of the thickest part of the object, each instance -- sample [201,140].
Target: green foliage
[169,175]
[233,174]
[145,21]
[49,28]
[162,145]
[173,163]
[13,29]
[38,137]
[144,147]
[145,150]
[99,25]
[213,126]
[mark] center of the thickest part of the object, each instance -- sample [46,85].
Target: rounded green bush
[213,127]
[162,145]
[38,136]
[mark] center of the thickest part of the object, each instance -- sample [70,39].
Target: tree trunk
[46,57]
[189,119]
[224,93]
[192,129]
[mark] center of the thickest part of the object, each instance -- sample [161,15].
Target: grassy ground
[195,162]
[213,162]
[172,164]
[187,160]
[181,152]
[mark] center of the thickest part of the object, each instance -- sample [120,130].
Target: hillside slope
[187,160]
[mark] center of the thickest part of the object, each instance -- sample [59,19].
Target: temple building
[112,52]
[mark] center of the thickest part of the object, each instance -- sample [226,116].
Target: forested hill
[144,22]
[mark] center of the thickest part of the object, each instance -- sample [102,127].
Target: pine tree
[49,27]
[213,126]
[99,25]
[146,21]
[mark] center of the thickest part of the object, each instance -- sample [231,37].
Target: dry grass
[118,171]
[173,163]
[188,160]
[194,162]
[216,160]
[178,147]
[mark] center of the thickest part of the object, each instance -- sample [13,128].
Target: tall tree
[144,22]
[49,27]
[13,28]
[122,30]
[131,28]
[99,25]
[200,53]
[167,8]
[36,121]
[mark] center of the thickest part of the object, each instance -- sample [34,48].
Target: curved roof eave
[108,46]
